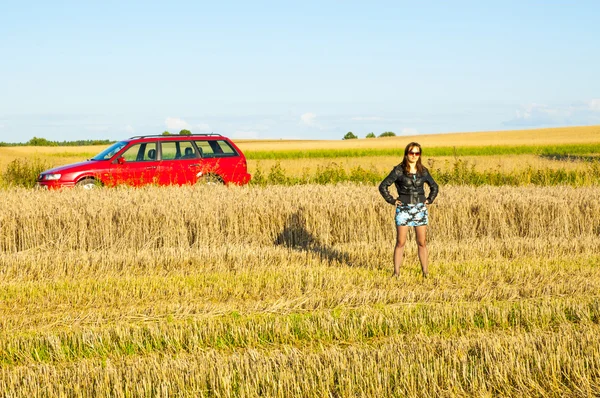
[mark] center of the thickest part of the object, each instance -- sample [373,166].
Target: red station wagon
[156,159]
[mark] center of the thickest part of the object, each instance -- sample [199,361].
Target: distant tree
[166,133]
[350,136]
[388,134]
[185,132]
[371,135]
[35,141]
[85,142]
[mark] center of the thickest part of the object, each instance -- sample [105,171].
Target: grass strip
[541,150]
[267,330]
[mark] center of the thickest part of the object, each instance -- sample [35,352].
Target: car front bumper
[53,184]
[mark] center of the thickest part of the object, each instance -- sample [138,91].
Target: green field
[542,150]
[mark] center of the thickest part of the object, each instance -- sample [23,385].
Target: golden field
[286,291]
[548,136]
[55,156]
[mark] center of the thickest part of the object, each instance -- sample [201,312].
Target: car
[158,160]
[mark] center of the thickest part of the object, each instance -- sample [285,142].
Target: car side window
[172,150]
[205,149]
[215,148]
[188,151]
[144,152]
[226,149]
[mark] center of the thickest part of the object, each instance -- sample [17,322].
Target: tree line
[39,141]
[350,135]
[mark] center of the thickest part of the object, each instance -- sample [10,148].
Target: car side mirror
[121,160]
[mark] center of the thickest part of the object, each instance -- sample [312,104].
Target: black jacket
[409,186]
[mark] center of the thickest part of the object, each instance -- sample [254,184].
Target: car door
[180,162]
[210,160]
[218,157]
[137,165]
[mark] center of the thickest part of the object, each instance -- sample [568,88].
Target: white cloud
[367,118]
[240,134]
[409,131]
[309,119]
[534,111]
[176,124]
[580,113]
[129,129]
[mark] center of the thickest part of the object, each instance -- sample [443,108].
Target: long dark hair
[405,165]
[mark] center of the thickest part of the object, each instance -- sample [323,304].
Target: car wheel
[210,179]
[87,183]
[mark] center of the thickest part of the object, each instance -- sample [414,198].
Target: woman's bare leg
[421,234]
[399,248]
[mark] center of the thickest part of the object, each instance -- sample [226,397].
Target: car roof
[178,137]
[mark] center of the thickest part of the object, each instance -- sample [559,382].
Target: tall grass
[194,217]
[23,173]
[458,173]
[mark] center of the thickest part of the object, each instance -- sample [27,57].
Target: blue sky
[297,69]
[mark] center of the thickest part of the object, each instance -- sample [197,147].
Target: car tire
[210,179]
[87,183]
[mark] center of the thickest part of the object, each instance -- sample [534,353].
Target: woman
[411,204]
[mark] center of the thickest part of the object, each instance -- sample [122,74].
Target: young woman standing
[411,204]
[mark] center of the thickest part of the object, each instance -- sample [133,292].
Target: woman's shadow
[296,236]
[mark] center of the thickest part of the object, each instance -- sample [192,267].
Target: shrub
[370,135]
[387,134]
[350,136]
[277,175]
[360,175]
[23,172]
[331,174]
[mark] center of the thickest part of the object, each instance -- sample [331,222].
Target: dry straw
[286,292]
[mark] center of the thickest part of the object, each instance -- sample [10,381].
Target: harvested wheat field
[286,292]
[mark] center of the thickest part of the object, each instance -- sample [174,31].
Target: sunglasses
[414,153]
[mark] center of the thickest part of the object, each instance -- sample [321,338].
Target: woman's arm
[433,188]
[383,187]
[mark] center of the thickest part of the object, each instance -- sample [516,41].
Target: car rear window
[172,150]
[215,148]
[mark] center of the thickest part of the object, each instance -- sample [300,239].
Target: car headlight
[50,177]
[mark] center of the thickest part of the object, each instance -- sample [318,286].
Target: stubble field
[286,291]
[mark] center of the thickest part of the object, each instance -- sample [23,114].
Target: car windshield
[110,151]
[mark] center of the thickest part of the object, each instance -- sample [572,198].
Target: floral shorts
[412,215]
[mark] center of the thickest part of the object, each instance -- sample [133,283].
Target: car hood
[87,165]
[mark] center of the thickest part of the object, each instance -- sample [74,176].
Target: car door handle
[195,165]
